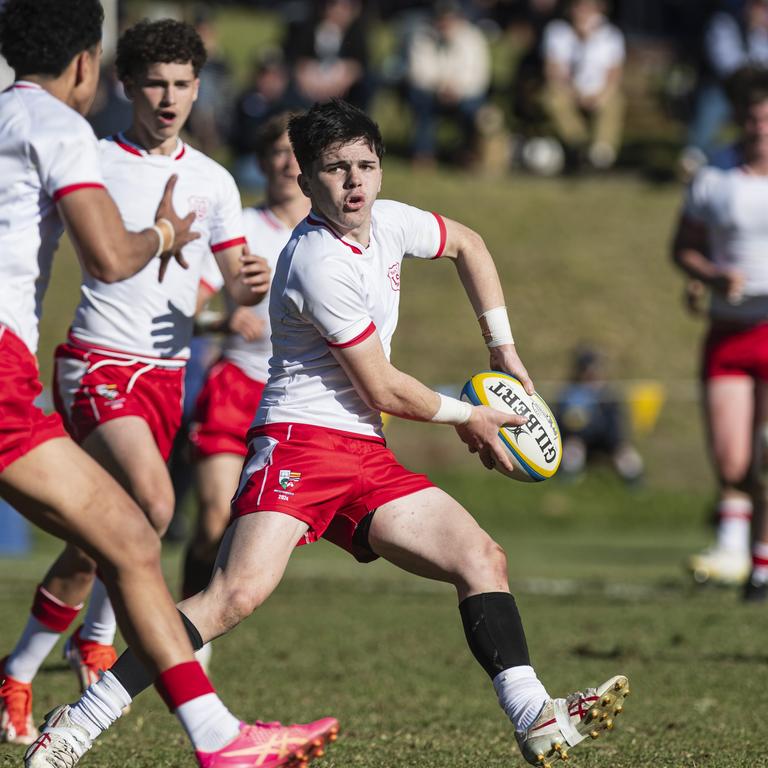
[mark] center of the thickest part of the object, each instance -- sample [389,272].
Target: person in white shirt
[317,463]
[583,63]
[232,390]
[51,168]
[722,241]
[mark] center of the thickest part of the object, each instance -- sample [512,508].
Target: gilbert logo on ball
[535,447]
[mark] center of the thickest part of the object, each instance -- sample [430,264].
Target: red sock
[182,683]
[51,612]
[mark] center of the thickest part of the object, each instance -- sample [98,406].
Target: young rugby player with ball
[317,463]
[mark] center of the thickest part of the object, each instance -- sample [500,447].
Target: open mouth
[166,117]
[354,203]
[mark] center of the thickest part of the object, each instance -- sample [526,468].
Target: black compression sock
[494,631]
[133,675]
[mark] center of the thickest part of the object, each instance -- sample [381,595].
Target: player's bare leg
[430,534]
[730,417]
[216,478]
[126,448]
[252,559]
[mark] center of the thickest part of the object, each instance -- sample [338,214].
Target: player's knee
[240,602]
[734,471]
[139,545]
[485,567]
[159,509]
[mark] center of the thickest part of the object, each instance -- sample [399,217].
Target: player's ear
[196,89]
[303,184]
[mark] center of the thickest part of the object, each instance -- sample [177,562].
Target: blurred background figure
[449,74]
[733,41]
[111,110]
[583,62]
[266,95]
[592,420]
[328,54]
[210,119]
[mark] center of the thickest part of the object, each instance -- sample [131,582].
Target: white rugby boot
[61,743]
[717,565]
[564,723]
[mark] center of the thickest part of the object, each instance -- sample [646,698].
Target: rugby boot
[755,590]
[88,659]
[16,726]
[270,745]
[61,743]
[717,565]
[564,723]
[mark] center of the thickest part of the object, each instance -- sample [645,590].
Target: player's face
[756,124]
[163,98]
[344,183]
[282,170]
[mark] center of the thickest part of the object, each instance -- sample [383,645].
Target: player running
[51,172]
[721,241]
[317,464]
[228,400]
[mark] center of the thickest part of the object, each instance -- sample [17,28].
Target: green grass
[597,575]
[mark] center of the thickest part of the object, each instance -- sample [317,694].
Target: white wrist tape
[160,239]
[495,327]
[452,411]
[167,235]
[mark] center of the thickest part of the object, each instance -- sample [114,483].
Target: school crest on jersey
[200,206]
[393,273]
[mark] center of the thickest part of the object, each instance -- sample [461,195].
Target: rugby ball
[535,447]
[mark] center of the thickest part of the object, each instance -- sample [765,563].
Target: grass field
[596,568]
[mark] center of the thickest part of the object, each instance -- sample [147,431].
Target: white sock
[100,623]
[203,655]
[734,526]
[760,563]
[208,723]
[35,643]
[101,704]
[521,695]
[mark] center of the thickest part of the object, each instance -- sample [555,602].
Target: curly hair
[326,125]
[164,41]
[41,37]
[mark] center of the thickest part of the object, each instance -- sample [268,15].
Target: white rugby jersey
[266,236]
[733,205]
[142,316]
[47,150]
[330,291]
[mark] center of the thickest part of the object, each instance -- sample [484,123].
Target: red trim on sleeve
[443,235]
[59,193]
[207,285]
[228,244]
[370,330]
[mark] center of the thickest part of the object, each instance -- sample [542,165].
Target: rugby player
[720,241]
[49,162]
[317,462]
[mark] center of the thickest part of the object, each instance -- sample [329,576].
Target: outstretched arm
[385,388]
[478,274]
[106,249]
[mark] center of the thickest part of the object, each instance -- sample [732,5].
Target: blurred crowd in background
[580,72]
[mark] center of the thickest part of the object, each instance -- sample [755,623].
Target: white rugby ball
[535,447]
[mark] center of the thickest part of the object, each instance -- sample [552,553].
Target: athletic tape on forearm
[495,327]
[452,411]
[167,235]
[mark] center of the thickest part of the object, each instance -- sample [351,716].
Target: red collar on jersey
[135,149]
[316,221]
[24,85]
[270,218]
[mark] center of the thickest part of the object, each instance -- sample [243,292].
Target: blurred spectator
[584,60]
[266,95]
[592,420]
[209,122]
[449,72]
[733,41]
[328,54]
[528,81]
